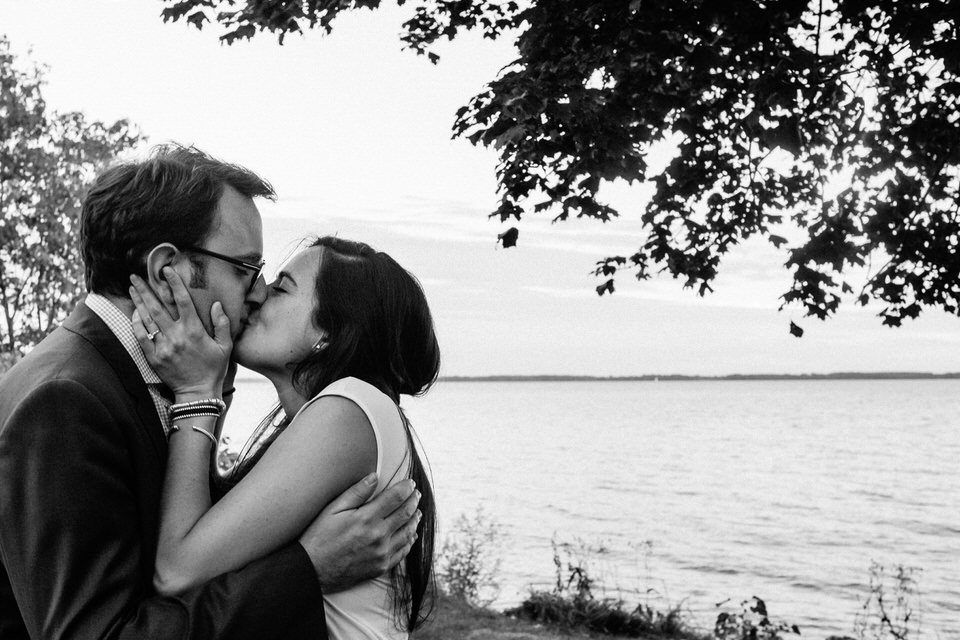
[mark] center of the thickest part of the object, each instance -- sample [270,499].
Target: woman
[344,332]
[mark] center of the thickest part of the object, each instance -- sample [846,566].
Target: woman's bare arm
[329,447]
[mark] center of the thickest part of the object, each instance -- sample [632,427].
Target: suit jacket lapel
[94,330]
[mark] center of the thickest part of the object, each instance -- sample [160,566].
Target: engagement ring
[152,334]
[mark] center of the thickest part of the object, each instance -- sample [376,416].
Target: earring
[319,345]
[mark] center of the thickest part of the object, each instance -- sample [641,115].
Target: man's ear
[162,255]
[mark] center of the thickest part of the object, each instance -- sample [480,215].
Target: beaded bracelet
[206,402]
[211,407]
[194,413]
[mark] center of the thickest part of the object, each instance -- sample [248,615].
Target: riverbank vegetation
[577,606]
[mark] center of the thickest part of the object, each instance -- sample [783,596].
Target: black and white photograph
[480,319]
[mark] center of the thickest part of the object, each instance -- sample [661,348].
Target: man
[83,446]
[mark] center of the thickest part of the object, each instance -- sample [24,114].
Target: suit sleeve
[80,566]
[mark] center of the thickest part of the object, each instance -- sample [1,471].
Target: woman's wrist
[196,427]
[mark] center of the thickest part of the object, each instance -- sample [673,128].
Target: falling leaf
[606,287]
[509,237]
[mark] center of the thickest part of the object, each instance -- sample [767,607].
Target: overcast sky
[355,135]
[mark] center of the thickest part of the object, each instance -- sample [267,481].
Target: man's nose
[258,293]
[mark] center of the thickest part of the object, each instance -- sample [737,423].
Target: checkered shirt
[120,325]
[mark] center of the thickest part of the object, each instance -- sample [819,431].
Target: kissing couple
[110,526]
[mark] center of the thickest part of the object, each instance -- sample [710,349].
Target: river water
[700,492]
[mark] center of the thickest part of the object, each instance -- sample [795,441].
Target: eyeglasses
[256,269]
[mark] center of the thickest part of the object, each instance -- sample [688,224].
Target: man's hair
[171,196]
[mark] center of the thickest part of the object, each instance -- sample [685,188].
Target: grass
[604,616]
[454,619]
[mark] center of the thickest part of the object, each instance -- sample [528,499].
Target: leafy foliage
[769,104]
[468,564]
[45,160]
[751,623]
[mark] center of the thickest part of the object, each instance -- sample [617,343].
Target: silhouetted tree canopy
[46,160]
[768,105]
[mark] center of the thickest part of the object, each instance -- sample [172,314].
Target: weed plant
[892,608]
[572,604]
[468,565]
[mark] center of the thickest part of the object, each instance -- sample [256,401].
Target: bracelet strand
[210,407]
[213,439]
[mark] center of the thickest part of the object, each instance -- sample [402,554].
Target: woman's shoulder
[367,396]
[378,406]
[357,400]
[353,386]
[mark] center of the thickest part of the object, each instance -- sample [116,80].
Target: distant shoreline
[893,375]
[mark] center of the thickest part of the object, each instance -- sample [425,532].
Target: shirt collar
[119,324]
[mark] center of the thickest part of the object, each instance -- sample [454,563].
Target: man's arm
[77,488]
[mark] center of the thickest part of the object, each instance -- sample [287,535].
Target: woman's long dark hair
[379,329]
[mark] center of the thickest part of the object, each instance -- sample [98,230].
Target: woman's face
[281,331]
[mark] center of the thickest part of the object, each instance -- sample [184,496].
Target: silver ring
[152,335]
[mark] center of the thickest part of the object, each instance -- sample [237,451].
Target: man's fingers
[404,514]
[399,555]
[403,539]
[392,501]
[354,497]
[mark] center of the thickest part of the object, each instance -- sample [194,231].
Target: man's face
[237,232]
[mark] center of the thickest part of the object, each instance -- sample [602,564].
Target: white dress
[365,611]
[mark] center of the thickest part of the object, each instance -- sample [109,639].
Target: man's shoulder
[63,359]
[61,352]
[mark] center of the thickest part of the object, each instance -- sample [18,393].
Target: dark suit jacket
[82,458]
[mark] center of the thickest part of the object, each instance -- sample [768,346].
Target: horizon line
[842,375]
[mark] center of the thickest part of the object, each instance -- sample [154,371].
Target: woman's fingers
[144,327]
[139,330]
[149,306]
[221,326]
[185,307]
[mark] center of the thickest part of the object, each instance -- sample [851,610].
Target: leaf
[759,605]
[606,287]
[197,18]
[246,31]
[795,330]
[510,135]
[509,237]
